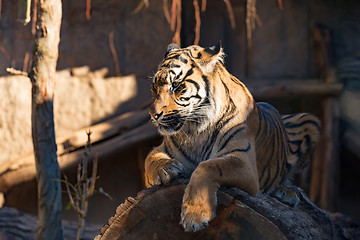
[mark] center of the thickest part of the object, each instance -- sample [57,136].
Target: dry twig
[114,53]
[258,20]
[250,26]
[26,61]
[173,15]
[34,17]
[88,9]
[231,14]
[176,38]
[147,3]
[166,11]
[84,188]
[197,21]
[139,7]
[281,4]
[203,5]
[24,11]
[93,175]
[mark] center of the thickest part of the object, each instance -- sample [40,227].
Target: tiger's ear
[171,47]
[210,56]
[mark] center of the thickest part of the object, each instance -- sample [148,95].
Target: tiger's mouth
[170,124]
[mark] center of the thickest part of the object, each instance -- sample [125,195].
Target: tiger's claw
[196,213]
[167,172]
[194,221]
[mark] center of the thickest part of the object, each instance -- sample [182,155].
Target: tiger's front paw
[195,216]
[163,172]
[199,205]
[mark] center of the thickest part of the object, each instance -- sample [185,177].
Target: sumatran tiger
[215,134]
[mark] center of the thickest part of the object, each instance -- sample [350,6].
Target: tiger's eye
[175,84]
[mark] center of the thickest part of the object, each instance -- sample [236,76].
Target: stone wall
[81,99]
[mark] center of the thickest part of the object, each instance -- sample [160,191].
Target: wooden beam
[119,133]
[292,88]
[324,184]
[103,131]
[77,139]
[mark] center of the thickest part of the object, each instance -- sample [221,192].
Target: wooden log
[155,214]
[137,218]
[26,172]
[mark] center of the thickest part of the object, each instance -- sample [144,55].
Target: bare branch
[166,11]
[173,15]
[78,177]
[250,25]
[73,203]
[203,5]
[88,9]
[93,175]
[34,17]
[26,61]
[197,21]
[139,7]
[114,53]
[281,4]
[231,14]
[147,3]
[24,11]
[176,38]
[258,20]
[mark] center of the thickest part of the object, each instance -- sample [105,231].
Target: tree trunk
[42,74]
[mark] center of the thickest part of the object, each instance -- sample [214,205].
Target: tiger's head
[182,90]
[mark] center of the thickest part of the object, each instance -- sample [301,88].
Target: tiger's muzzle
[169,123]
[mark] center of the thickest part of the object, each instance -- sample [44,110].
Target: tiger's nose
[156,116]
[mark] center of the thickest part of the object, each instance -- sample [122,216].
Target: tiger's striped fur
[215,134]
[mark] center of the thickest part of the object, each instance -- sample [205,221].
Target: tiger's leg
[161,169]
[287,196]
[199,200]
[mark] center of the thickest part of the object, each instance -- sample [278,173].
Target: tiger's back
[284,144]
